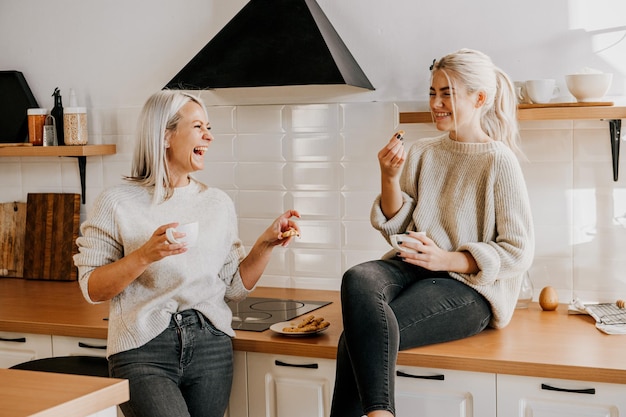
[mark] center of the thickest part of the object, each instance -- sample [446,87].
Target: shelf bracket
[82,164]
[615,127]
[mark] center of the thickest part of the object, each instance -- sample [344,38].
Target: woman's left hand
[273,234]
[257,259]
[432,257]
[428,256]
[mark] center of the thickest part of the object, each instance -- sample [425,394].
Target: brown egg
[548,299]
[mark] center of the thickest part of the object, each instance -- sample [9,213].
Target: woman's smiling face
[452,107]
[188,143]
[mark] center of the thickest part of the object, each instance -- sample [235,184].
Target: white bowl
[588,87]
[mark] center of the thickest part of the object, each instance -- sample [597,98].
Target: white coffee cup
[520,92]
[541,91]
[397,240]
[189,229]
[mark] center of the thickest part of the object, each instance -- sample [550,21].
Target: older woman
[169,325]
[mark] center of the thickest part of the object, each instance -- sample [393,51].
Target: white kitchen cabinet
[17,348]
[238,403]
[289,386]
[78,346]
[520,396]
[427,392]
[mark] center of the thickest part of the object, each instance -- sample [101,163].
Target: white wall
[314,148]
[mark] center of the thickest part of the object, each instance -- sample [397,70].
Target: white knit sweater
[122,219]
[469,197]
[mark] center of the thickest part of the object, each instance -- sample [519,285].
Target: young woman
[169,325]
[464,190]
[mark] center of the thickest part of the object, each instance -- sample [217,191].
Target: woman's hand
[432,257]
[158,247]
[391,158]
[253,265]
[273,234]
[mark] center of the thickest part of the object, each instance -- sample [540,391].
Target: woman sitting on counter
[169,325]
[459,207]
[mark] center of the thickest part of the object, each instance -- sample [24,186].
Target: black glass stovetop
[258,314]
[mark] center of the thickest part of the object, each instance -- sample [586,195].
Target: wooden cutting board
[12,228]
[52,222]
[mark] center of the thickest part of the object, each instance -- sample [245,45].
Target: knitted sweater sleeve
[229,274]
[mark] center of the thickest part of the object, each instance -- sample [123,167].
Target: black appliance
[257,314]
[15,99]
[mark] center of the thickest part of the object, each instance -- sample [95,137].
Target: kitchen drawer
[432,392]
[17,348]
[548,397]
[78,346]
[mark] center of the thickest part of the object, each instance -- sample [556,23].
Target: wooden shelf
[80,152]
[613,114]
[542,113]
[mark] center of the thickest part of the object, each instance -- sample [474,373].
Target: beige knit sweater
[469,197]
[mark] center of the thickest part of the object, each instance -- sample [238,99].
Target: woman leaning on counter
[169,325]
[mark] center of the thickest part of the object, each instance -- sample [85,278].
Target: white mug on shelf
[541,91]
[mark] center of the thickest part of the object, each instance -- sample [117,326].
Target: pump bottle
[57,113]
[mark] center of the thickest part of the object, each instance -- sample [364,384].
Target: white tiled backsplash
[321,160]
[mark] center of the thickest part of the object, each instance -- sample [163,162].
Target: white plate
[278,328]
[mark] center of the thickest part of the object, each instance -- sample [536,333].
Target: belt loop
[201,319]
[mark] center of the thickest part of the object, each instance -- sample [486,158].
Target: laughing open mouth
[200,150]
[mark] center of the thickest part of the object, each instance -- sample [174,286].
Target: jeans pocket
[214,331]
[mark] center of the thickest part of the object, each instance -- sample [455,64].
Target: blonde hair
[159,116]
[476,72]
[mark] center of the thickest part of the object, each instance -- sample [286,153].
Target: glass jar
[75,125]
[525,296]
[36,120]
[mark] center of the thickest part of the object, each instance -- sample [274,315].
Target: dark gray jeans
[387,306]
[185,371]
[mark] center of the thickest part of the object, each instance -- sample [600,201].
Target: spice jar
[36,120]
[75,125]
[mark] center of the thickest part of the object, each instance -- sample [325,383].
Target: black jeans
[387,306]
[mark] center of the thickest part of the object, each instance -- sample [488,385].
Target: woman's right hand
[391,158]
[109,280]
[158,247]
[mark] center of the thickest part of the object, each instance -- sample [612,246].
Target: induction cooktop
[257,314]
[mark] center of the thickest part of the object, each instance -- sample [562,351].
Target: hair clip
[432,65]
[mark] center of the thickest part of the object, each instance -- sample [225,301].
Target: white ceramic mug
[541,91]
[189,229]
[520,92]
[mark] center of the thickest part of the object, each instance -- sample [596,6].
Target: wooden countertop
[50,307]
[47,394]
[536,343]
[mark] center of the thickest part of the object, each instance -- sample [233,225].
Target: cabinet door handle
[295,365]
[16,340]
[85,345]
[439,377]
[547,387]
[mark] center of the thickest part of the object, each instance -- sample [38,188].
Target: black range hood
[273,43]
